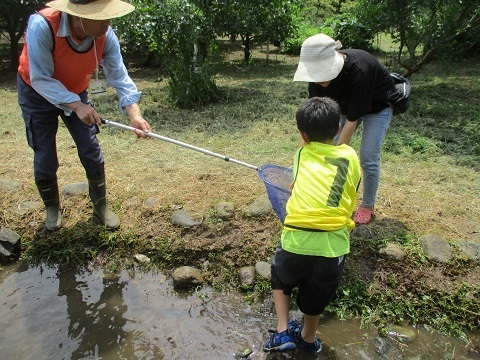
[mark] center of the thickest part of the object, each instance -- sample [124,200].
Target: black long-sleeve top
[362,87]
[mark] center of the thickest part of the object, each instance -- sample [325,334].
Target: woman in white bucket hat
[362,87]
[65,44]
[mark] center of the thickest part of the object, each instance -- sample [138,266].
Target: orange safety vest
[71,67]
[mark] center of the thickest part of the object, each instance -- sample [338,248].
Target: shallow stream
[47,313]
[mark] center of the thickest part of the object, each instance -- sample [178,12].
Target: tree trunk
[246,48]
[14,54]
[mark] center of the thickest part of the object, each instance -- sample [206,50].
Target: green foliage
[170,32]
[257,21]
[191,86]
[14,17]
[337,20]
[293,44]
[452,313]
[167,30]
[421,28]
[352,32]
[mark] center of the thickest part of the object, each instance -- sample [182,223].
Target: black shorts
[316,277]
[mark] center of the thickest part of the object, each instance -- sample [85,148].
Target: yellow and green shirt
[318,221]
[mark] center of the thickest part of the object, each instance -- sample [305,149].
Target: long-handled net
[276,178]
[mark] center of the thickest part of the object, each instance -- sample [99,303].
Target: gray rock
[404,334]
[184,219]
[186,276]
[263,269]
[131,202]
[261,206]
[8,240]
[247,275]
[26,206]
[150,202]
[436,248]
[142,258]
[73,189]
[225,210]
[10,184]
[470,248]
[394,251]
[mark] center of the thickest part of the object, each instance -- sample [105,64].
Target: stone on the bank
[73,189]
[247,275]
[184,219]
[10,184]
[394,251]
[142,258]
[26,206]
[436,248]
[261,206]
[263,269]
[404,334]
[225,210]
[151,202]
[186,276]
[471,249]
[8,240]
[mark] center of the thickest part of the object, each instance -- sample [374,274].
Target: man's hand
[138,122]
[87,114]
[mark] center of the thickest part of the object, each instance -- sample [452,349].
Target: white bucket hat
[319,59]
[93,9]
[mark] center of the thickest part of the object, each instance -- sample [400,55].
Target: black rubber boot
[98,194]
[48,190]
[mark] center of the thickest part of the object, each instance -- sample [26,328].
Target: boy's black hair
[319,118]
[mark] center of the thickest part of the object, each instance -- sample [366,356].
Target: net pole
[180,143]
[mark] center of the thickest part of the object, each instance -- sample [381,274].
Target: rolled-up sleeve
[116,72]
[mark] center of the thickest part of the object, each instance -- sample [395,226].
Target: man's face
[95,28]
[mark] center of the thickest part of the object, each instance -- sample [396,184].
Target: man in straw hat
[65,44]
[362,87]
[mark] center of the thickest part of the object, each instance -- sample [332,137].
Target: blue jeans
[375,128]
[41,124]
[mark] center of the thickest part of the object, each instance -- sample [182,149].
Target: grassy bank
[430,183]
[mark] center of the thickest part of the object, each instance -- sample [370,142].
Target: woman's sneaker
[296,330]
[279,342]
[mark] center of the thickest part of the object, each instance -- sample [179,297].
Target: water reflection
[99,326]
[49,313]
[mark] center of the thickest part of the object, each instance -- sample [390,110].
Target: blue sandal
[296,331]
[279,342]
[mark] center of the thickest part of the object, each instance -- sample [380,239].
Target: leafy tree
[168,34]
[14,16]
[256,20]
[421,28]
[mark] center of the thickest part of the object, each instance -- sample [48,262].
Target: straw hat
[319,59]
[93,9]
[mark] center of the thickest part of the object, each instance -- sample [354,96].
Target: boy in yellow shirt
[316,233]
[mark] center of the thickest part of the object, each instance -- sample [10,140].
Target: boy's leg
[282,309]
[281,338]
[310,326]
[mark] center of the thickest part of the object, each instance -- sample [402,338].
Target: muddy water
[50,314]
